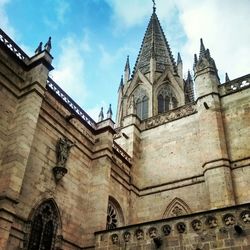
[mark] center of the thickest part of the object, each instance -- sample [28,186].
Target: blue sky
[92,38]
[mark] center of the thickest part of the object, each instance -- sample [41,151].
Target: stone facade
[173,173]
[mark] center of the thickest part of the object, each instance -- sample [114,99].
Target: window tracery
[141,102]
[112,217]
[114,214]
[43,227]
[166,99]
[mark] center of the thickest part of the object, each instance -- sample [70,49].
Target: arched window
[165,97]
[43,227]
[163,103]
[114,214]
[142,107]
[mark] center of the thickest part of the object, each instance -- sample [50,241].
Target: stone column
[213,148]
[20,136]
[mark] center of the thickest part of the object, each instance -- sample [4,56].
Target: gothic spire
[154,36]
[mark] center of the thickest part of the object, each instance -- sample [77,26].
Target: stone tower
[173,174]
[156,84]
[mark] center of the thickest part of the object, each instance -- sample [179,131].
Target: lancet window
[43,227]
[142,107]
[166,99]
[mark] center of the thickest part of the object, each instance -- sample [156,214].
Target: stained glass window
[43,227]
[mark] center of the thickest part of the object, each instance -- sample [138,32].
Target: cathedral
[172,172]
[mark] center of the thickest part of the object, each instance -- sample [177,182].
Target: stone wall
[227,228]
[34,117]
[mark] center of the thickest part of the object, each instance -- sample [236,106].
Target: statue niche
[62,154]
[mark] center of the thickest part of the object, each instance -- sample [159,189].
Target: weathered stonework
[178,179]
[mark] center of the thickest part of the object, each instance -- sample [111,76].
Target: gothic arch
[45,225]
[115,216]
[140,99]
[174,82]
[166,98]
[176,207]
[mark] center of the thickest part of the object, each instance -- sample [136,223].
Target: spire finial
[121,83]
[154,6]
[202,49]
[127,66]
[101,116]
[109,113]
[47,45]
[227,78]
[39,48]
[189,77]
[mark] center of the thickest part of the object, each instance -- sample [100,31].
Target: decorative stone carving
[170,116]
[181,227]
[152,232]
[245,216]
[176,207]
[177,211]
[139,234]
[229,220]
[114,238]
[196,225]
[62,153]
[127,236]
[166,229]
[212,222]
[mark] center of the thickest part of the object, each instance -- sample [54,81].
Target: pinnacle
[189,77]
[202,49]
[179,60]
[121,83]
[127,66]
[227,78]
[101,116]
[154,36]
[109,113]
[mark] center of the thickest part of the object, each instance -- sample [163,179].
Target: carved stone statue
[63,147]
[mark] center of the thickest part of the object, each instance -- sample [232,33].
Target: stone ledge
[214,227]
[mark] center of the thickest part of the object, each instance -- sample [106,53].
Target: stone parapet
[235,85]
[220,229]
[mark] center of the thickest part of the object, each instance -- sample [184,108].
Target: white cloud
[95,111]
[4,20]
[224,28]
[130,12]
[223,25]
[69,72]
[62,7]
